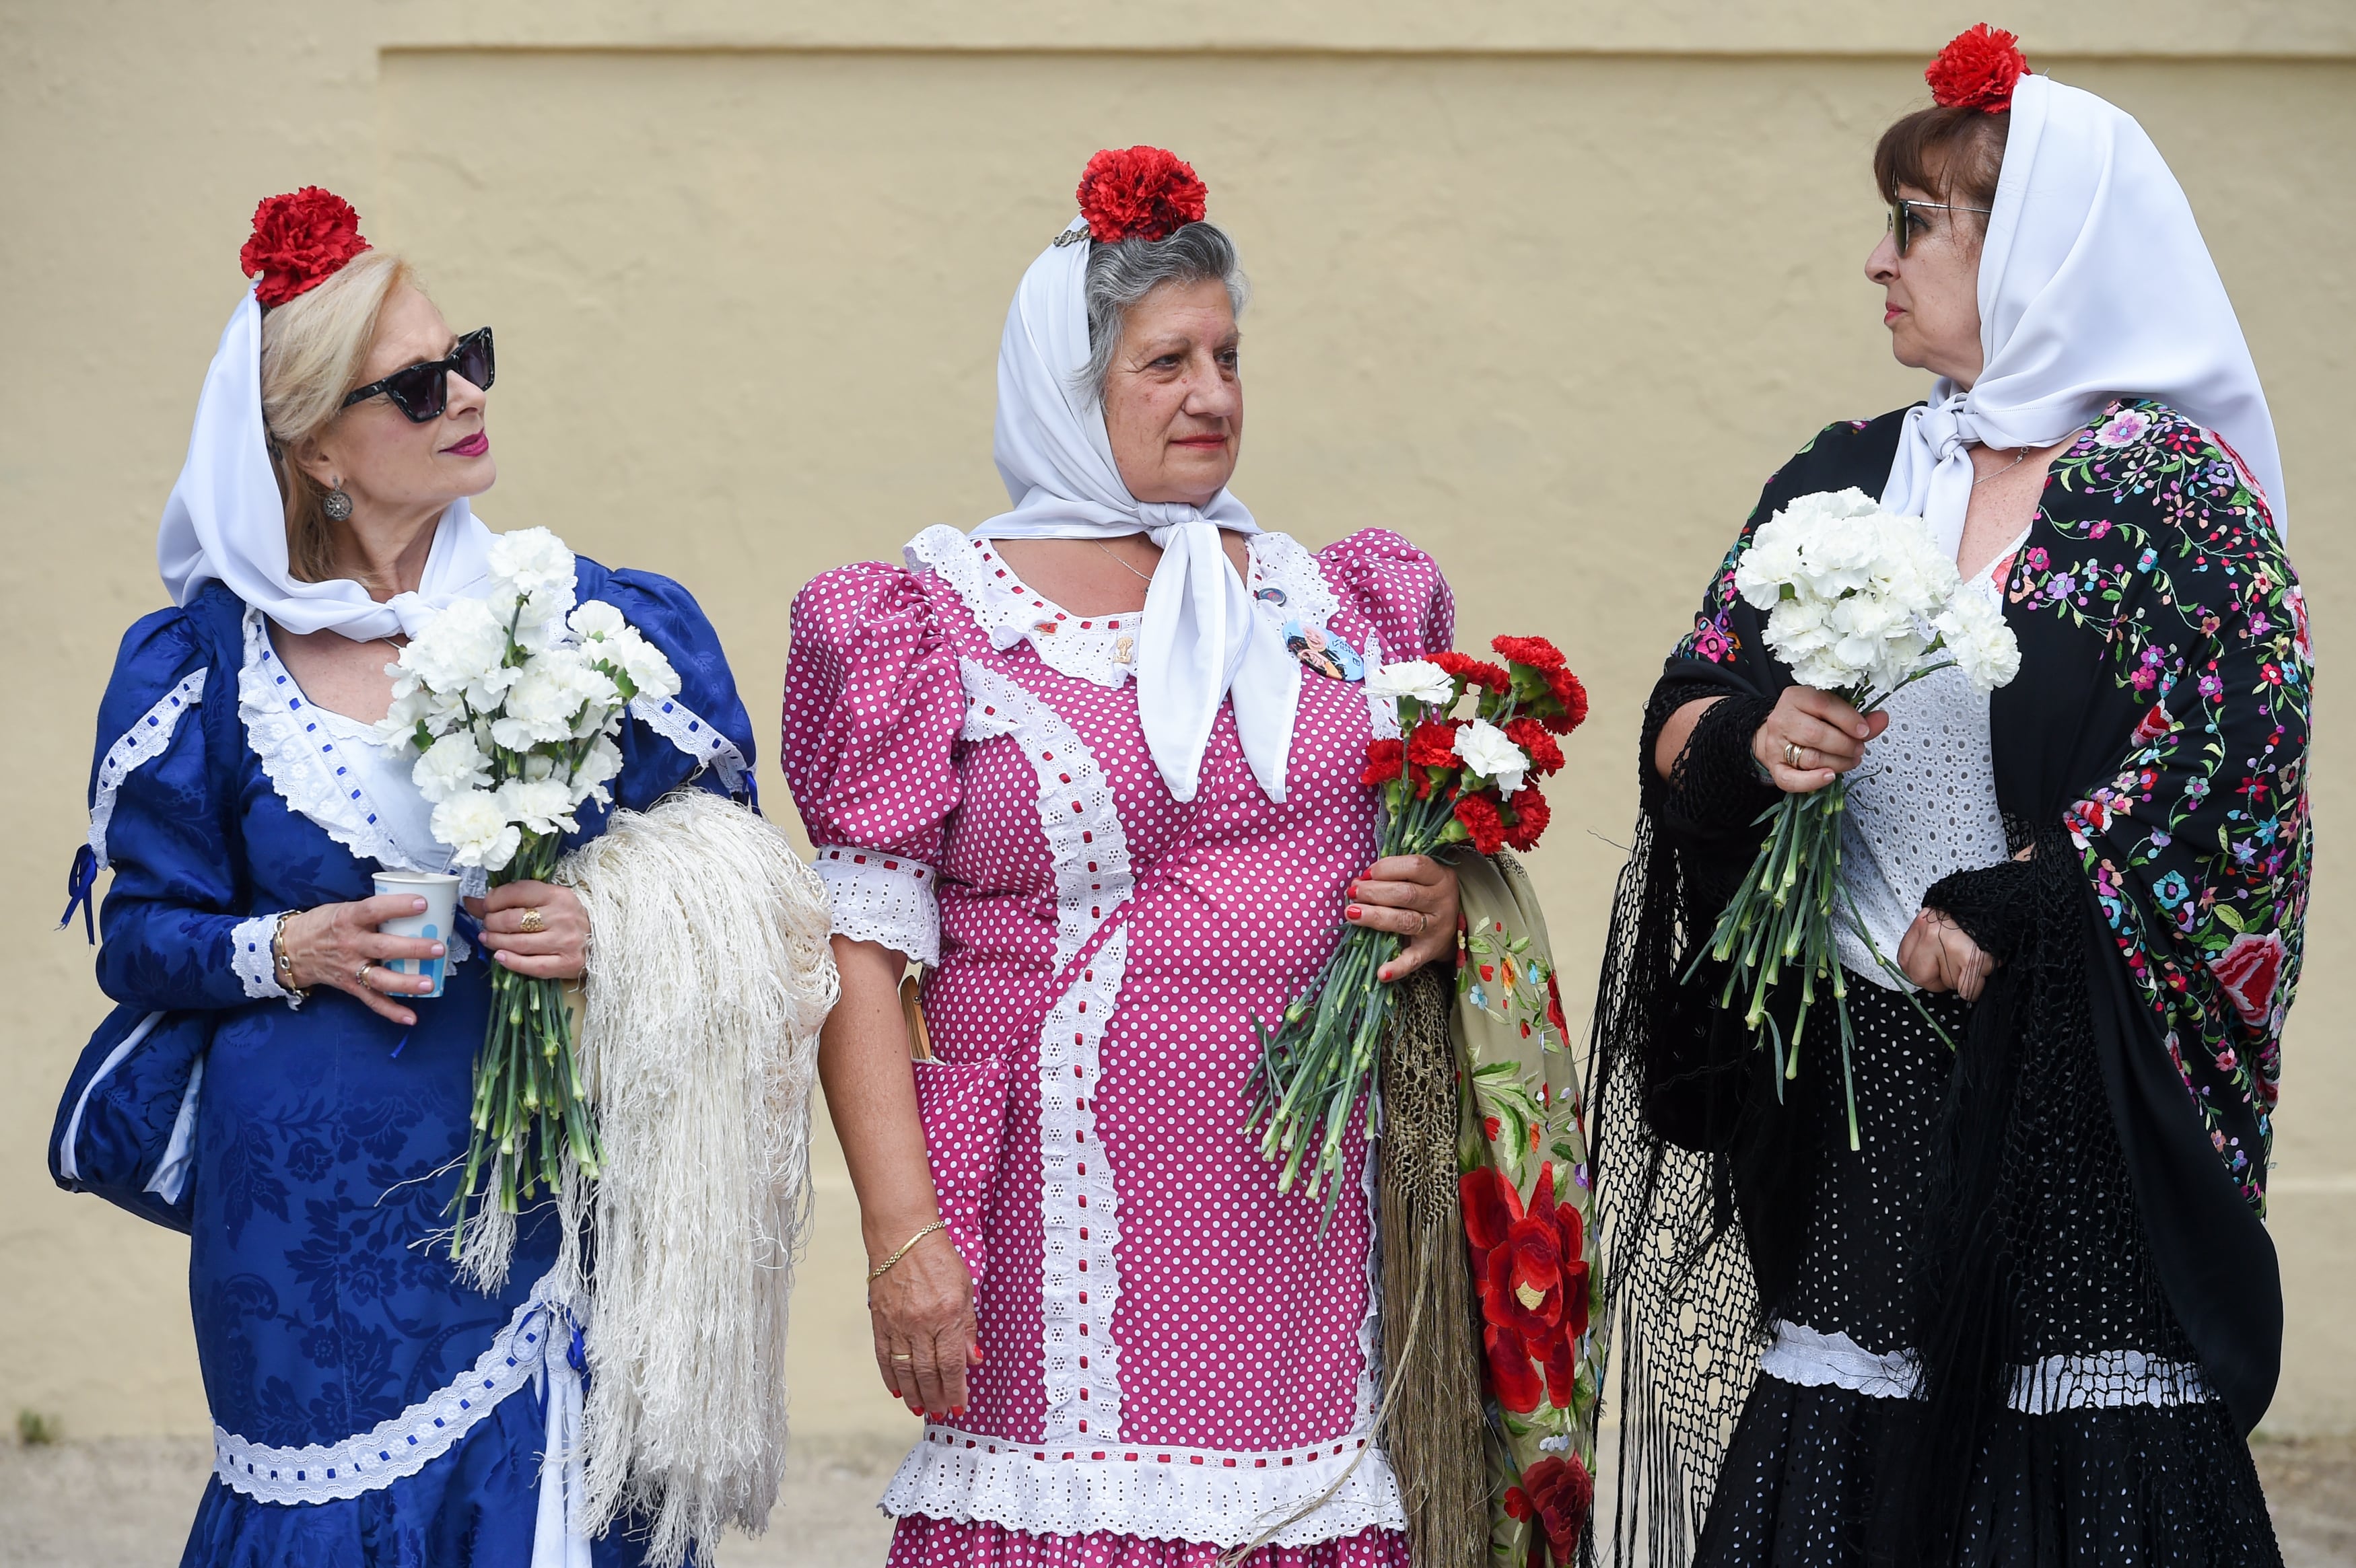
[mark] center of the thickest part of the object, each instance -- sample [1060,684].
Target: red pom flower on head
[1138,192]
[300,240]
[1977,70]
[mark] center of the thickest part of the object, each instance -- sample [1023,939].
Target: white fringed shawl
[710,972]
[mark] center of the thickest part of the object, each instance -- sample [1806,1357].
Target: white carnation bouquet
[1860,604]
[511,703]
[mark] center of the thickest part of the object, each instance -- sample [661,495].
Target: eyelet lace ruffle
[298,754]
[2106,1379]
[1155,1491]
[694,735]
[142,742]
[1286,582]
[251,957]
[883,898]
[1080,1284]
[400,1447]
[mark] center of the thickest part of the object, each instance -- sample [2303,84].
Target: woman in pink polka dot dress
[1097,764]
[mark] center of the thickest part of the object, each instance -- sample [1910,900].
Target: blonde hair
[315,349]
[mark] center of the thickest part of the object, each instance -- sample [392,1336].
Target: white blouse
[1921,807]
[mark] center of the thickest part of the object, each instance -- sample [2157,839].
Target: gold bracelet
[283,963]
[881,1269]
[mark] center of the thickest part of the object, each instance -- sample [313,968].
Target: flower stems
[529,1110]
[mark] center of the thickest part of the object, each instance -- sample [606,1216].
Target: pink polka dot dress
[1174,1361]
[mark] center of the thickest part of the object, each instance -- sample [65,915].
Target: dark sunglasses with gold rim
[1901,219]
[422,390]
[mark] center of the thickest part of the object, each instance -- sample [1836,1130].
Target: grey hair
[1122,274]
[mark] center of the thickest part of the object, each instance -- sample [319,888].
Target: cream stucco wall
[1550,287]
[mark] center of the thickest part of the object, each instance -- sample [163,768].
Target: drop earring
[336,504]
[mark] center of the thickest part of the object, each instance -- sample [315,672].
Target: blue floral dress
[358,1392]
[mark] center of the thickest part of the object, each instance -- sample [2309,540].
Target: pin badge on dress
[1327,653]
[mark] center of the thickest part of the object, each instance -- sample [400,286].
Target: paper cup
[440,893]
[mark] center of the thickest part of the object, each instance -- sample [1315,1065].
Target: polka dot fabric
[1175,1360]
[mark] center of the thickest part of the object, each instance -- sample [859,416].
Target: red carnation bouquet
[300,240]
[1138,192]
[1978,70]
[1448,780]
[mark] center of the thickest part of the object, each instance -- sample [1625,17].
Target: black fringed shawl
[2150,761]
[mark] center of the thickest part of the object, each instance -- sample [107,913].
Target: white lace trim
[142,742]
[2105,1379]
[883,898]
[1382,711]
[1922,807]
[1799,1354]
[400,1447]
[250,956]
[298,753]
[1080,1284]
[1102,648]
[1085,837]
[692,733]
[1156,1492]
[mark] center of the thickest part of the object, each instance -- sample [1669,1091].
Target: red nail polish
[1353,911]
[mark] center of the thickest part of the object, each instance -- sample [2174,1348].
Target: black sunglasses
[422,390]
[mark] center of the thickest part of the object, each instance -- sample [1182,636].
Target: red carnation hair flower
[1138,192]
[1977,70]
[300,240]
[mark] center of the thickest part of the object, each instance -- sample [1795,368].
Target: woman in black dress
[2033,1317]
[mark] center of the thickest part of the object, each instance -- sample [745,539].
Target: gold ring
[360,976]
[532,922]
[1421,920]
[899,1357]
[1792,750]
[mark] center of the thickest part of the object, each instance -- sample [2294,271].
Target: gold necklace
[1141,576]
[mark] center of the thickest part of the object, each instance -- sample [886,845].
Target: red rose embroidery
[1532,1281]
[300,240]
[1138,192]
[1978,70]
[2153,725]
[1559,1491]
[2250,970]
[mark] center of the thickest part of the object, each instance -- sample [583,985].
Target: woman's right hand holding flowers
[339,946]
[921,1309]
[1812,738]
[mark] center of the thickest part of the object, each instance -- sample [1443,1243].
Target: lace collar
[1286,582]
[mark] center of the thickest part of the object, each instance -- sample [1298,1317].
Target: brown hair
[314,350]
[1956,155]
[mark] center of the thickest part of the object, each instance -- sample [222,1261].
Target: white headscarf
[1203,639]
[227,523]
[2095,285]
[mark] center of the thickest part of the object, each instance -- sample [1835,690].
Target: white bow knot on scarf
[1204,641]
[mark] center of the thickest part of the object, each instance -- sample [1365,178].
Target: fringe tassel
[1431,1420]
[710,973]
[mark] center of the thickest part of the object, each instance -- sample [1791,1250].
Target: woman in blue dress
[266,1082]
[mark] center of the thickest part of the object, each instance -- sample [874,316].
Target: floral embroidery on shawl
[2199,846]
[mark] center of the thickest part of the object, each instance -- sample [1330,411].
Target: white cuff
[251,956]
[883,898]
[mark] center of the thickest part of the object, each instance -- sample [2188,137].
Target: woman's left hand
[1936,955]
[1413,895]
[558,950]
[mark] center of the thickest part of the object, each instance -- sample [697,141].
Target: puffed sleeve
[873,707]
[702,736]
[175,934]
[1397,587]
